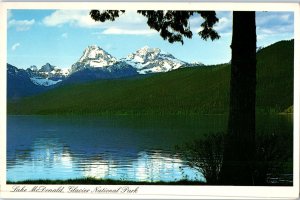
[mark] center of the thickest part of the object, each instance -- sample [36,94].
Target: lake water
[122,148]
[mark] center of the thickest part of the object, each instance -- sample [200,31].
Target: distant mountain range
[95,63]
[191,90]
[19,83]
[145,60]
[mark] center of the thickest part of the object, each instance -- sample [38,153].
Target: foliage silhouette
[205,155]
[270,163]
[171,25]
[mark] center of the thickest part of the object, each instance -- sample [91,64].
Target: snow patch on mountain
[65,71]
[47,75]
[44,81]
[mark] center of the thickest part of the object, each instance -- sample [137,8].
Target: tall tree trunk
[239,150]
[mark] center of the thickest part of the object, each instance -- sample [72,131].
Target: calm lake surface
[137,148]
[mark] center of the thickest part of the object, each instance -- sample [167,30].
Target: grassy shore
[95,181]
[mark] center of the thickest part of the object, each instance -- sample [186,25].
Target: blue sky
[59,37]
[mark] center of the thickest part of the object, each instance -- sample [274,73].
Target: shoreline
[95,181]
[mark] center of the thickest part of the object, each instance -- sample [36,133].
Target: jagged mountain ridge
[47,75]
[117,70]
[19,83]
[152,60]
[145,60]
[96,63]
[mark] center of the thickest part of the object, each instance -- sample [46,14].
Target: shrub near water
[273,160]
[205,155]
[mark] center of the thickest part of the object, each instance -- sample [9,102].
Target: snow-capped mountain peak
[93,56]
[145,47]
[94,52]
[152,60]
[144,54]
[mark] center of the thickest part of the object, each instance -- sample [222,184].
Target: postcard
[139,100]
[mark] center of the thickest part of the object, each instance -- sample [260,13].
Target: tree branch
[171,25]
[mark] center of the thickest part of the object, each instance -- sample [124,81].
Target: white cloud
[274,23]
[132,23]
[118,31]
[270,18]
[285,17]
[128,23]
[15,46]
[223,26]
[79,18]
[65,35]
[195,23]
[21,25]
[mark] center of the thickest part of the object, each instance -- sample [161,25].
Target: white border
[158,192]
